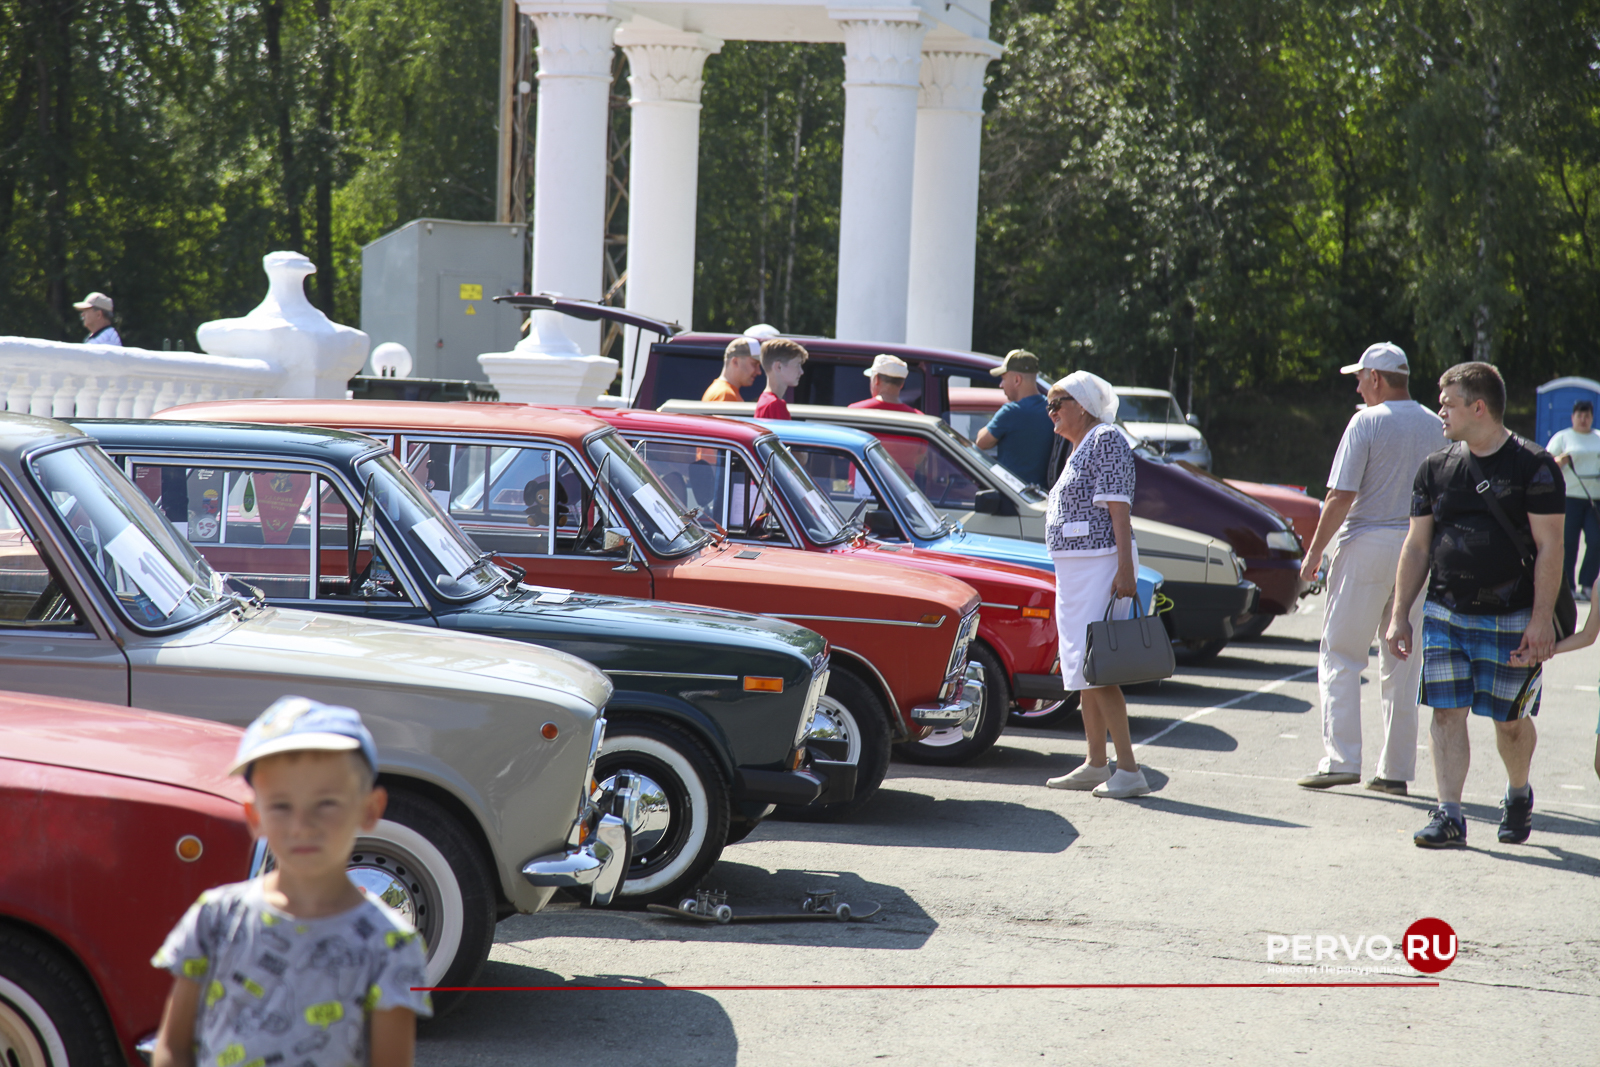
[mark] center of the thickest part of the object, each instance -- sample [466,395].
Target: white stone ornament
[547,367]
[318,356]
[391,360]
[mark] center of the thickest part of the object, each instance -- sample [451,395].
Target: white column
[944,193]
[569,168]
[664,72]
[882,59]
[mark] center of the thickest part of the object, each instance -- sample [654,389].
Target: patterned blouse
[1100,469]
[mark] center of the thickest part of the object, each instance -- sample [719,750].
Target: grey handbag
[1125,651]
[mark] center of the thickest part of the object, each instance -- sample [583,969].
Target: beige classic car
[486,745]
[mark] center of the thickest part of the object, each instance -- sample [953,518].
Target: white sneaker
[1124,784]
[1084,777]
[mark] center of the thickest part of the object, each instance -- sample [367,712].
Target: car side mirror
[986,502]
[881,523]
[1192,419]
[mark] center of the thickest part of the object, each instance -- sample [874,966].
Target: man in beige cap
[1363,526]
[888,374]
[95,311]
[1021,429]
[741,366]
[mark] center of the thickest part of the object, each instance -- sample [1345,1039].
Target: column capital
[574,41]
[882,46]
[952,77]
[664,65]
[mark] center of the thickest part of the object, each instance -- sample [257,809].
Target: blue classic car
[710,711]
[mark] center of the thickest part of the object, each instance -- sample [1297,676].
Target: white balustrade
[284,348]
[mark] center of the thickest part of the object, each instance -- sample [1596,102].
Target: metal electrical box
[430,286]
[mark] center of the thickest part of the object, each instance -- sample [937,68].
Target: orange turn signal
[1035,613]
[755,683]
[549,731]
[931,620]
[189,848]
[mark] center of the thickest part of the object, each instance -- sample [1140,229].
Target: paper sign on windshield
[1006,476]
[925,510]
[148,569]
[658,508]
[819,506]
[442,543]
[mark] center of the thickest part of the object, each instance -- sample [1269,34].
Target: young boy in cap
[888,374]
[299,966]
[784,361]
[741,366]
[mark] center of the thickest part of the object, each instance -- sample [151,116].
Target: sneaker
[1123,784]
[1392,786]
[1516,819]
[1581,595]
[1325,779]
[1441,832]
[1083,776]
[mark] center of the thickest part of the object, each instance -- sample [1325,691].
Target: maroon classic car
[114,821]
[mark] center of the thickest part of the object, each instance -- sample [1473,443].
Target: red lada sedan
[114,821]
[562,496]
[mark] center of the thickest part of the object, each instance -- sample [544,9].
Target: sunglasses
[1053,406]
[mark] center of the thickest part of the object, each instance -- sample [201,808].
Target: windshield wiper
[480,560]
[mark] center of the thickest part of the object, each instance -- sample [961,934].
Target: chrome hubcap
[383,884]
[652,810]
[401,881]
[834,723]
[17,1043]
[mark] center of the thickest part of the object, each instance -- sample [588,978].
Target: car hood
[989,576]
[150,746]
[1164,431]
[386,655]
[649,629]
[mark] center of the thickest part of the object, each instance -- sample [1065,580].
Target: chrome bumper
[958,712]
[601,857]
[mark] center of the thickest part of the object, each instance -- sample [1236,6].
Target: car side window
[256,526]
[945,482]
[516,501]
[30,596]
[843,481]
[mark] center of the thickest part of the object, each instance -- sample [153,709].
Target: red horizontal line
[923,985]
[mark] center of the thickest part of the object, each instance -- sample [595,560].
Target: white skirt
[1083,588]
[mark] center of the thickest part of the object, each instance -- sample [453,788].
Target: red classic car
[562,496]
[114,821]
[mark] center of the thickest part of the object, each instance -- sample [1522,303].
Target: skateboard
[710,906]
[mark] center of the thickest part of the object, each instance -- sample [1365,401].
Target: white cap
[1381,356]
[761,331]
[888,366]
[95,300]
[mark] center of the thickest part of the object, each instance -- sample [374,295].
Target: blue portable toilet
[1553,407]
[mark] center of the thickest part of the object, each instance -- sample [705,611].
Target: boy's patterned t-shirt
[287,992]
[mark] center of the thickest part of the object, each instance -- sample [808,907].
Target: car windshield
[157,578]
[913,503]
[665,528]
[1033,494]
[822,521]
[1148,409]
[447,557]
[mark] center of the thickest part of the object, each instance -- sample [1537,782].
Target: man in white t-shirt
[1577,451]
[95,311]
[1363,526]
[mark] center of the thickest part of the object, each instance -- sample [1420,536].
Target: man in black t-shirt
[1484,602]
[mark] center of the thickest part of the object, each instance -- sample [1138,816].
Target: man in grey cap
[95,311]
[1021,428]
[1363,525]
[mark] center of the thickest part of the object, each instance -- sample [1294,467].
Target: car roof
[21,434]
[574,424]
[865,416]
[821,433]
[643,420]
[1136,390]
[288,442]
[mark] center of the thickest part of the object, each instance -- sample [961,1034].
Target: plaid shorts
[1466,661]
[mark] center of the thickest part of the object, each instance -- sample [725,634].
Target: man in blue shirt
[1021,428]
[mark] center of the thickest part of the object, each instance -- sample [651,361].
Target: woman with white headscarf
[1089,532]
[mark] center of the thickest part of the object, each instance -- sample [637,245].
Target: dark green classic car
[711,708]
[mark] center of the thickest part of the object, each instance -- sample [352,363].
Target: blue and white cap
[299,724]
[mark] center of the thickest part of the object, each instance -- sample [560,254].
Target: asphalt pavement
[1192,903]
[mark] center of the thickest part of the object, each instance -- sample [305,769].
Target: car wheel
[50,1014]
[851,712]
[683,807]
[959,744]
[1037,714]
[422,863]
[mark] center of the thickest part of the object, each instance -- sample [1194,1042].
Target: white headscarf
[1093,393]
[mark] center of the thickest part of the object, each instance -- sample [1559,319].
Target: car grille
[956,672]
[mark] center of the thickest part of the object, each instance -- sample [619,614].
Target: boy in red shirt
[783,361]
